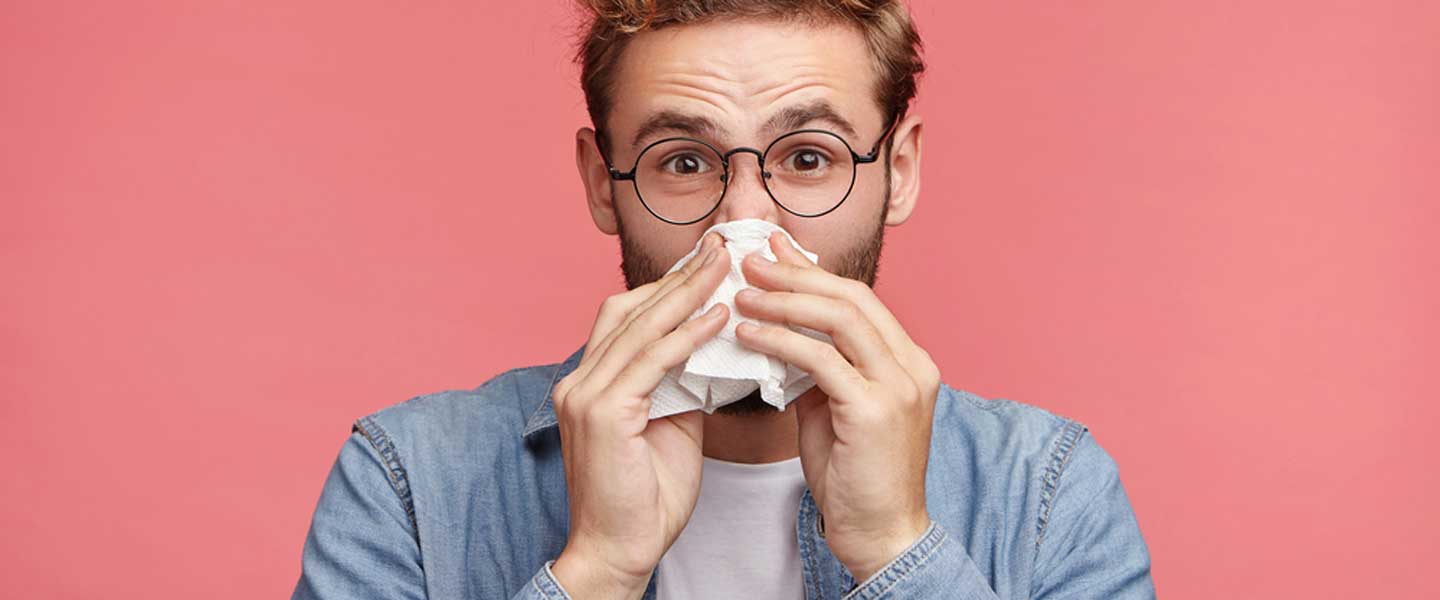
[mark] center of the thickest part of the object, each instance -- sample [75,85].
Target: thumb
[812,414]
[692,423]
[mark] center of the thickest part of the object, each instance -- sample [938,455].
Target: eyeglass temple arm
[875,151]
[615,174]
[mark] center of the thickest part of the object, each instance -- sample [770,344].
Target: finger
[670,282]
[831,372]
[641,376]
[815,430]
[810,279]
[854,335]
[786,252]
[664,316]
[675,278]
[665,285]
[625,306]
[691,423]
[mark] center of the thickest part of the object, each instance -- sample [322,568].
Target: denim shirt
[461,494]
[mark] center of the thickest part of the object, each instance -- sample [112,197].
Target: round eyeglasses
[808,172]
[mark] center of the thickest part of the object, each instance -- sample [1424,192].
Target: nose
[745,195]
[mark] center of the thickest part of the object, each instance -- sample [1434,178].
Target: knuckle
[649,353]
[645,321]
[855,288]
[562,390]
[692,265]
[593,415]
[612,302]
[695,341]
[697,279]
[564,409]
[613,306]
[929,372]
[693,327]
[932,377]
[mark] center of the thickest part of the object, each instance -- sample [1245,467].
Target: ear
[904,170]
[596,178]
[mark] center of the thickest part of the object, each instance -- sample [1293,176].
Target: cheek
[870,186]
[831,239]
[664,242]
[848,227]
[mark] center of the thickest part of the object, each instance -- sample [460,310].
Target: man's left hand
[865,427]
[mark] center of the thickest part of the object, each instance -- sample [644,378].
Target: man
[879,482]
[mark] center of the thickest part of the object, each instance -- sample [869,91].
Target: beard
[861,263]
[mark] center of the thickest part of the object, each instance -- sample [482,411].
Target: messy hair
[893,42]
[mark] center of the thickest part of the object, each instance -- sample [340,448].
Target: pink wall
[1206,229]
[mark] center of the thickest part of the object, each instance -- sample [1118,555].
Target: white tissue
[723,371]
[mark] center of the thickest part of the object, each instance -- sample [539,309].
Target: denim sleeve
[935,566]
[362,541]
[1090,544]
[543,586]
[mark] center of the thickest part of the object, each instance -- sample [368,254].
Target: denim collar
[544,415]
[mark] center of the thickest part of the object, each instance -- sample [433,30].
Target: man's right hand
[633,482]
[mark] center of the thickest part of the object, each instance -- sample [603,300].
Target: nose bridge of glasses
[759,159]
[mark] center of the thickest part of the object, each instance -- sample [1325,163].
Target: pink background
[1206,229]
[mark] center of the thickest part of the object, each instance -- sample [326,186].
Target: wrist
[875,553]
[584,576]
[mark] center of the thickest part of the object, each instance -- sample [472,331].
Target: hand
[633,482]
[865,448]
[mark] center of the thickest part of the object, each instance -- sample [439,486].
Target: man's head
[742,73]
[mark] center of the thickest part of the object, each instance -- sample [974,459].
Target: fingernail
[746,294]
[709,257]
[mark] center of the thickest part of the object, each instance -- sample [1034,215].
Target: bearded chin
[860,263]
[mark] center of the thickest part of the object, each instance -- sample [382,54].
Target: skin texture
[863,432]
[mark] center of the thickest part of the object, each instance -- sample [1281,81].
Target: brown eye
[686,164]
[807,161]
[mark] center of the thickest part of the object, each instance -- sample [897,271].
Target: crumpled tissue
[722,370]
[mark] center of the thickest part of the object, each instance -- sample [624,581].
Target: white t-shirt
[740,541]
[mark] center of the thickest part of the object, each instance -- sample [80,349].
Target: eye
[806,160]
[686,164]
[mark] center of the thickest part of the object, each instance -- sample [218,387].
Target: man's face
[737,76]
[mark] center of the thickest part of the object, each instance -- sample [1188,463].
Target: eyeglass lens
[807,172]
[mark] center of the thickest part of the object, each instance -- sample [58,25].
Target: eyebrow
[671,120]
[794,117]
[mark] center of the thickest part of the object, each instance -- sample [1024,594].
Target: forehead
[742,74]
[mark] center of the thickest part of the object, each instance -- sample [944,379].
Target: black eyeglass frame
[858,159]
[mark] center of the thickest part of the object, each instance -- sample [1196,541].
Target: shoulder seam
[399,482]
[1061,451]
[491,381]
